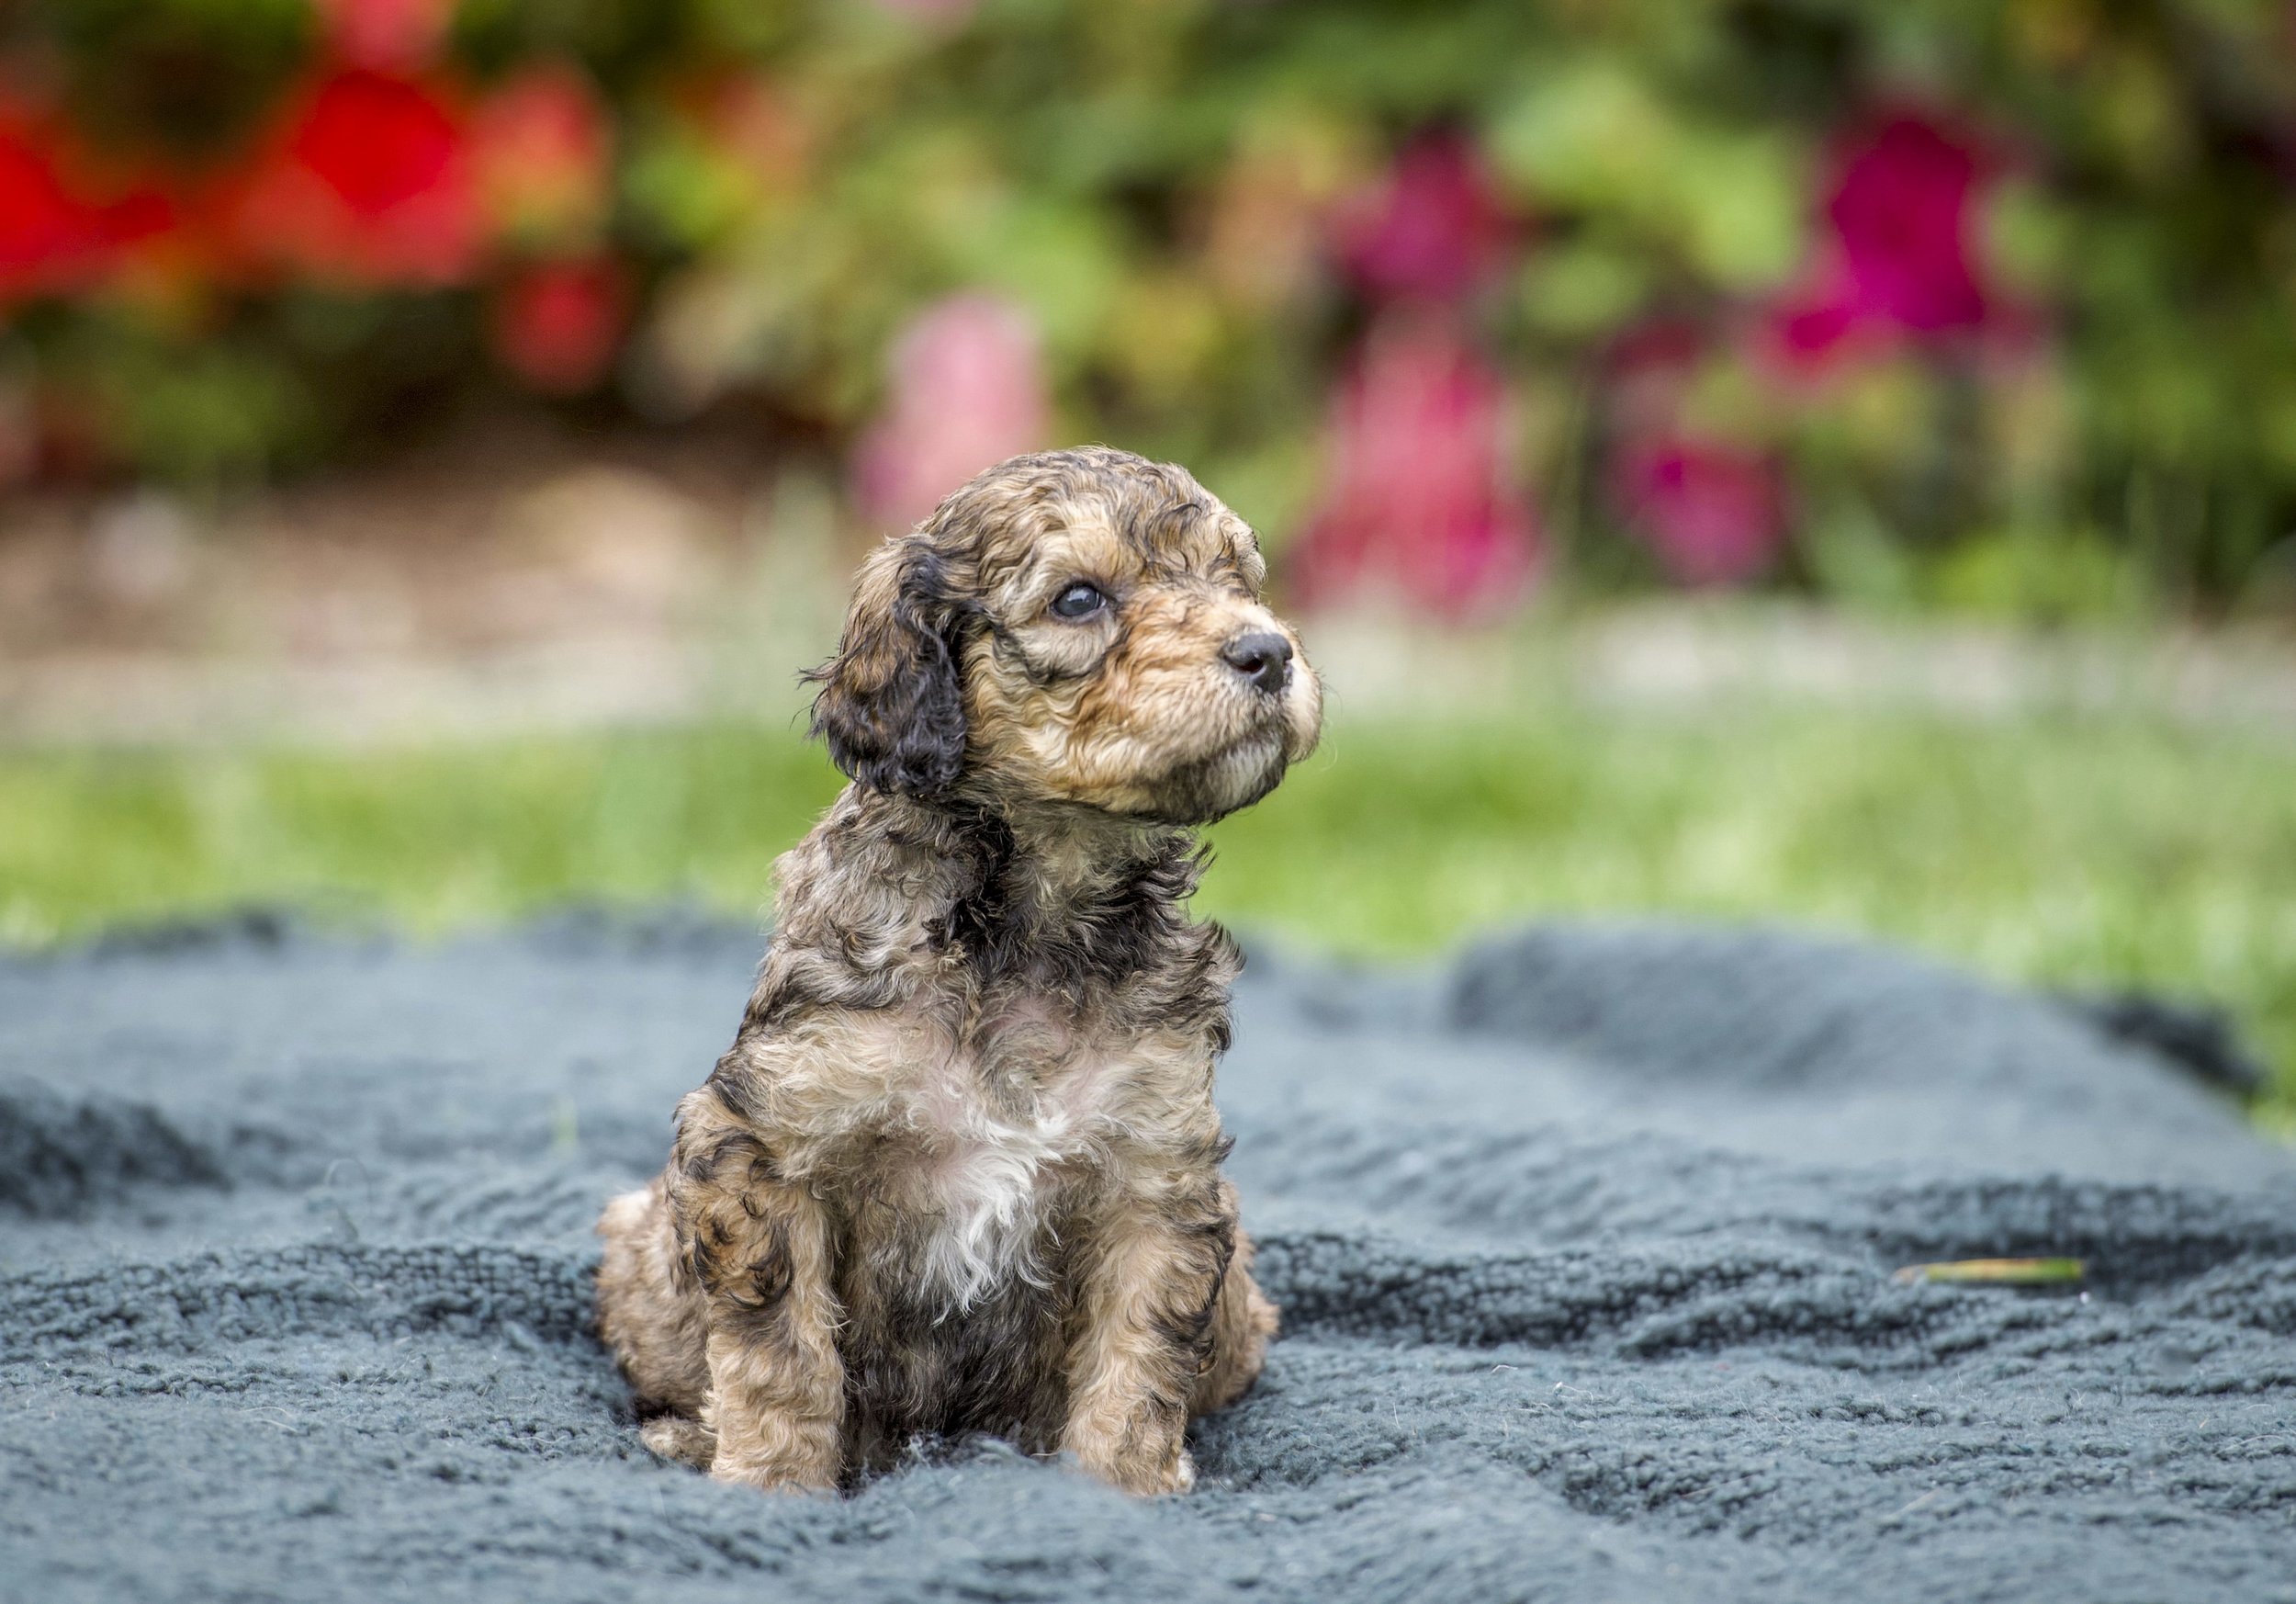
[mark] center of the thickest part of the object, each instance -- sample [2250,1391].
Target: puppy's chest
[986,1137]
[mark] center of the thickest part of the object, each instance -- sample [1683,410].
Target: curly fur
[961,1169]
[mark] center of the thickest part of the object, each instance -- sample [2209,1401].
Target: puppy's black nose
[1262,657]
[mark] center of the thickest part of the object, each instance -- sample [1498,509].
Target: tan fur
[960,1169]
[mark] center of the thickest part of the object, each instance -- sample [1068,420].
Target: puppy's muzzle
[1262,658]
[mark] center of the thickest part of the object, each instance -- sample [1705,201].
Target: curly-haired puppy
[961,1169]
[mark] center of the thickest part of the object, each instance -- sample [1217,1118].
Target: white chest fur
[992,1156]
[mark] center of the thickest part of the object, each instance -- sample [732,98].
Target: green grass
[2092,851]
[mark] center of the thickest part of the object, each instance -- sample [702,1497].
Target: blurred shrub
[1921,302]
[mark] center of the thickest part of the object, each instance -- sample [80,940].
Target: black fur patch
[891,708]
[732,1159]
[913,1366]
[1188,1327]
[1138,927]
[734,1084]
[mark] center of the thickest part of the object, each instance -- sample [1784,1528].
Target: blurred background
[1778,459]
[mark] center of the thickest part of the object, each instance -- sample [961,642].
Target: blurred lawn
[2087,850]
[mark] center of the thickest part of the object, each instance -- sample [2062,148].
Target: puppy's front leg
[1144,1333]
[759,1249]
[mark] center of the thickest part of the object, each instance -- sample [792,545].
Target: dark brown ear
[890,708]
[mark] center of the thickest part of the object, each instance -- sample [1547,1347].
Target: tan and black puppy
[961,1169]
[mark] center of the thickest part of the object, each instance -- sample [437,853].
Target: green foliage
[189,74]
[1666,158]
[2050,576]
[1721,204]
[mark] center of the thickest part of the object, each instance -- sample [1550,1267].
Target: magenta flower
[967,390]
[1898,261]
[1419,502]
[1431,227]
[1711,511]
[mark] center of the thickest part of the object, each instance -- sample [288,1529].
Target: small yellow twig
[1996,1271]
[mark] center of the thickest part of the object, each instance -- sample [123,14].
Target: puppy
[960,1169]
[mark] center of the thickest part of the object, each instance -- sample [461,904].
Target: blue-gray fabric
[1583,1244]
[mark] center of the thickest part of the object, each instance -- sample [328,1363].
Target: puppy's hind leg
[655,1321]
[1243,1321]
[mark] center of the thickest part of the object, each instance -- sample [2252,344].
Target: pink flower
[1419,502]
[368,181]
[1431,227]
[1897,264]
[387,35]
[1712,511]
[557,324]
[967,390]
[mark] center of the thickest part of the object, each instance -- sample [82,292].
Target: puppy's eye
[1079,600]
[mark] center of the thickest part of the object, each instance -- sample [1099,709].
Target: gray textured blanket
[1585,1249]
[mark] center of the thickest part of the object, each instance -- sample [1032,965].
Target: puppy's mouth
[1223,781]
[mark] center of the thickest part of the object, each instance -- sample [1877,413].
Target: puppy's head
[1081,626]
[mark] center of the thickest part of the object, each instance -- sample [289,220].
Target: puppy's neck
[1067,890]
[1070,858]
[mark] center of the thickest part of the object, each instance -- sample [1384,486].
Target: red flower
[559,324]
[542,152]
[61,228]
[1431,227]
[1711,511]
[368,180]
[1419,502]
[1897,264]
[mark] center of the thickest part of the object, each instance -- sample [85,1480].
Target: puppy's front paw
[774,1475]
[1145,1477]
[680,1438]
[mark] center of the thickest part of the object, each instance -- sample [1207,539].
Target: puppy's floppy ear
[890,708]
